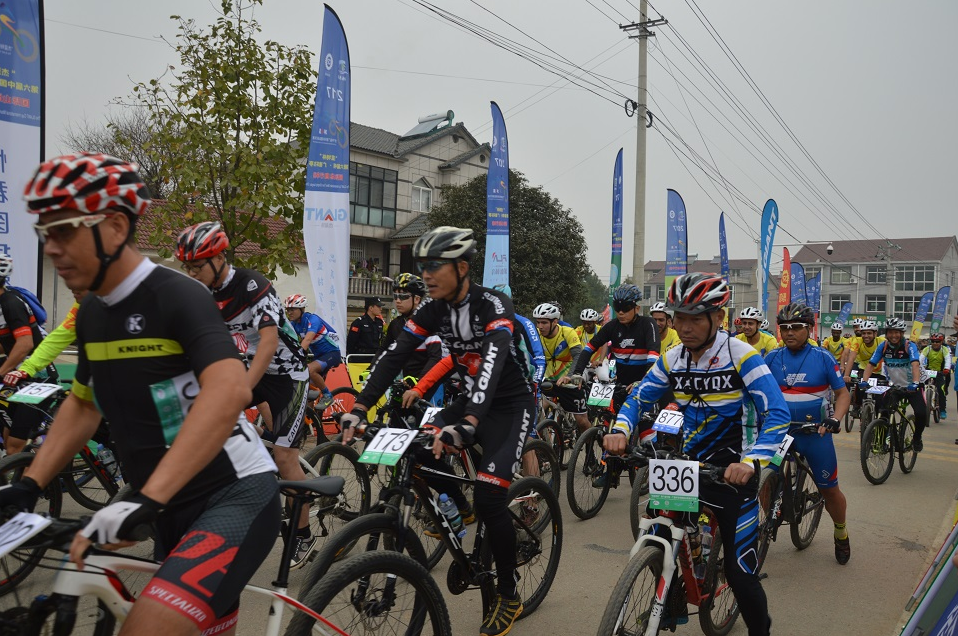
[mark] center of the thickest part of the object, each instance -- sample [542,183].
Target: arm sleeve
[53,345]
[495,356]
[772,410]
[82,384]
[15,313]
[833,372]
[602,336]
[947,357]
[913,351]
[387,367]
[434,353]
[435,375]
[653,387]
[198,325]
[923,358]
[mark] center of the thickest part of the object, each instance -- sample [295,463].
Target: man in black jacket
[366,332]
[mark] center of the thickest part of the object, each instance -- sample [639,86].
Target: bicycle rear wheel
[907,455]
[376,593]
[544,463]
[877,451]
[767,493]
[329,514]
[550,433]
[807,507]
[343,400]
[87,486]
[629,609]
[585,467]
[719,611]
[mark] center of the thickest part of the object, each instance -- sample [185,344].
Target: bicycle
[890,433]
[668,568]
[533,507]
[864,413]
[22,40]
[928,379]
[555,426]
[789,496]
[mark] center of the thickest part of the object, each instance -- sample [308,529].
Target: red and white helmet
[88,183]
[697,293]
[296,301]
[203,240]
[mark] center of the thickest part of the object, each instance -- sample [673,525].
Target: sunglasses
[793,326]
[402,296]
[63,231]
[194,267]
[624,307]
[431,266]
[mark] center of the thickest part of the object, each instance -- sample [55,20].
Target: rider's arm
[536,351]
[915,367]
[435,375]
[388,366]
[867,373]
[494,357]
[602,336]
[268,343]
[874,361]
[923,358]
[75,423]
[947,365]
[18,322]
[435,351]
[313,327]
[653,386]
[21,349]
[53,345]
[769,404]
[837,382]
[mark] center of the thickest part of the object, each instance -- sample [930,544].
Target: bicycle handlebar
[708,473]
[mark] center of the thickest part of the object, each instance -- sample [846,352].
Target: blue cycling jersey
[897,361]
[806,378]
[322,343]
[537,366]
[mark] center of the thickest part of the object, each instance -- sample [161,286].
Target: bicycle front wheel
[867,415]
[541,463]
[639,500]
[376,593]
[550,433]
[877,451]
[907,455]
[807,508]
[719,611]
[87,486]
[767,491]
[629,609]
[588,478]
[849,421]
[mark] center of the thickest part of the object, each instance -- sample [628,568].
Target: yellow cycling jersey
[669,340]
[585,337]
[863,352]
[558,351]
[834,348]
[766,342]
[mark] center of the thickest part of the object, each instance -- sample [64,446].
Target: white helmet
[602,372]
[869,325]
[857,322]
[660,306]
[764,324]
[752,313]
[547,311]
[6,265]
[590,315]
[837,326]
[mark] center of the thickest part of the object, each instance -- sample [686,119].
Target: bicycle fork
[669,567]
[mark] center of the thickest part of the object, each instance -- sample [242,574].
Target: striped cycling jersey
[898,361]
[634,346]
[712,394]
[558,351]
[806,377]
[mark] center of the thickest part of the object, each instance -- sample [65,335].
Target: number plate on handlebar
[19,530]
[669,421]
[388,446]
[35,393]
[673,485]
[928,374]
[601,394]
[877,390]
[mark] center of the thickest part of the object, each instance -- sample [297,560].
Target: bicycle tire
[343,400]
[867,414]
[849,421]
[647,566]
[333,458]
[934,405]
[358,615]
[719,611]
[767,493]
[877,452]
[87,486]
[17,566]
[550,432]
[314,423]
[548,465]
[535,576]
[585,465]
[638,501]
[806,509]
[907,455]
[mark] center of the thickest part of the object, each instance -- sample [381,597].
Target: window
[841,276]
[906,306]
[421,196]
[811,271]
[875,275]
[876,304]
[372,195]
[660,293]
[735,273]
[731,290]
[647,292]
[835,301]
[919,278]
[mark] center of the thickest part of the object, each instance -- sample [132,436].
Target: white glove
[123,521]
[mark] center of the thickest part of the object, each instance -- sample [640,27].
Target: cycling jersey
[833,347]
[53,345]
[427,354]
[635,348]
[323,342]
[584,338]
[16,320]
[559,351]
[141,349]
[248,303]
[935,360]
[863,352]
[766,342]
[806,378]
[671,339]
[533,354]
[897,361]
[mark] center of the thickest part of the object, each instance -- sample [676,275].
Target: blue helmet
[626,296]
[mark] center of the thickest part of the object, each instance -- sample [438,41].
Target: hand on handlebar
[614,442]
[829,425]
[739,473]
[912,386]
[349,422]
[410,397]
[458,436]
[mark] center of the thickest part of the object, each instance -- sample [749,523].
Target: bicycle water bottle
[106,457]
[695,544]
[706,545]
[612,369]
[451,512]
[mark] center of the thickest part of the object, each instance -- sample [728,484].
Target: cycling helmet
[203,240]
[88,183]
[737,322]
[6,266]
[764,325]
[546,311]
[410,283]
[857,322]
[796,312]
[660,306]
[937,337]
[868,325]
[626,296]
[752,313]
[837,326]
[895,323]
[589,315]
[602,372]
[697,293]
[296,301]
[445,242]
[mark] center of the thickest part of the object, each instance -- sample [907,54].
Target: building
[881,278]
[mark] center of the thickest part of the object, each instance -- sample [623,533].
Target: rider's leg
[917,401]
[316,376]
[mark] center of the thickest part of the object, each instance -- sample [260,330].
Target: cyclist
[752,318]
[277,365]
[562,347]
[51,346]
[587,330]
[902,368]
[668,337]
[713,375]
[316,338]
[860,350]
[496,409]
[808,376]
[764,327]
[936,357]
[366,332]
[835,345]
[19,336]
[157,359]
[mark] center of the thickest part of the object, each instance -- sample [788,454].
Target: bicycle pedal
[763,576]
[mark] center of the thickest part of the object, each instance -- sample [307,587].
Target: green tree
[548,249]
[231,128]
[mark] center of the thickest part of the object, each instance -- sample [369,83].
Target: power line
[617,137]
[156,39]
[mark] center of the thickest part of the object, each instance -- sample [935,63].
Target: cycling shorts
[287,404]
[819,450]
[570,399]
[328,360]
[23,421]
[218,545]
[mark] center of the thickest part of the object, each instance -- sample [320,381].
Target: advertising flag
[616,270]
[785,283]
[676,239]
[941,303]
[769,225]
[326,217]
[723,247]
[813,292]
[798,284]
[924,306]
[844,313]
[495,269]
[21,132]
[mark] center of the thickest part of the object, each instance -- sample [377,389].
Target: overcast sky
[869,88]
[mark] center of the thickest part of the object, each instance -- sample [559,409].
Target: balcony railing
[363,286]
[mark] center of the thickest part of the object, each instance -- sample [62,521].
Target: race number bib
[782,450]
[673,485]
[18,530]
[600,394]
[669,421]
[928,374]
[35,393]
[388,446]
[877,390]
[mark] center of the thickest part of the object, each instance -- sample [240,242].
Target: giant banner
[326,217]
[615,273]
[495,269]
[767,239]
[21,125]
[813,292]
[676,239]
[941,304]
[798,284]
[924,306]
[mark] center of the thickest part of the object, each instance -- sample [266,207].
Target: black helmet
[410,283]
[796,312]
[445,242]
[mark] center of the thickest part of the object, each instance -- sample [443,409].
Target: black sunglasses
[402,296]
[623,307]
[431,266]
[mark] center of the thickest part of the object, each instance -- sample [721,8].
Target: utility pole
[640,31]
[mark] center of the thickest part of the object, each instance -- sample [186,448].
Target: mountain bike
[533,507]
[928,378]
[890,433]
[555,426]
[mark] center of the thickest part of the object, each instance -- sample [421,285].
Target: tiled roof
[414,229]
[929,249]
[700,265]
[386,143]
[466,156]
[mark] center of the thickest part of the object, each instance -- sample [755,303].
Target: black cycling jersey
[425,357]
[478,332]
[141,350]
[634,346]
[16,319]
[248,303]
